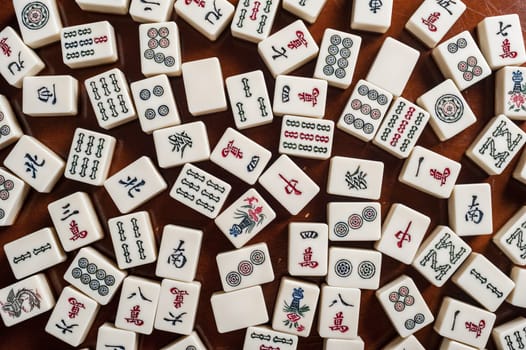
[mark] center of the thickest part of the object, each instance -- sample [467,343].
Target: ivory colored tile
[252,21]
[13,192]
[183,343]
[510,92]
[353,177]
[118,7]
[300,96]
[39,21]
[400,343]
[354,221]
[306,10]
[470,209]
[10,130]
[306,137]
[160,49]
[108,334]
[510,334]
[371,16]
[354,267]
[510,238]
[308,249]
[517,297]
[151,11]
[209,18]
[262,337]
[339,312]
[393,66]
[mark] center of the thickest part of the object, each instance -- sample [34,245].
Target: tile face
[87,45]
[89,157]
[110,98]
[203,86]
[300,96]
[308,249]
[401,130]
[209,18]
[72,317]
[354,221]
[10,130]
[371,16]
[393,66]
[404,305]
[13,191]
[160,49]
[151,11]
[511,238]
[339,312]
[365,110]
[306,137]
[185,143]
[464,323]
[440,255]
[94,275]
[306,10]
[459,58]
[118,7]
[25,299]
[248,93]
[501,41]
[402,232]
[177,307]
[510,92]
[186,342]
[470,209]
[133,239]
[50,96]
[245,267]
[200,191]
[35,163]
[430,172]
[400,343]
[343,344]
[135,184]
[252,22]
[155,103]
[137,305]
[75,221]
[353,177]
[108,336]
[239,309]
[496,145]
[240,156]
[510,333]
[483,281]
[337,58]
[517,297]
[245,218]
[295,306]
[17,60]
[257,338]
[34,252]
[179,253]
[448,344]
[288,48]
[288,184]
[520,169]
[433,19]
[367,265]
[39,21]
[449,112]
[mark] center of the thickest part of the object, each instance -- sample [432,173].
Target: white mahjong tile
[245,218]
[288,184]
[257,338]
[308,249]
[160,49]
[372,16]
[353,177]
[337,57]
[306,137]
[13,192]
[135,184]
[10,130]
[200,191]
[470,209]
[90,156]
[510,334]
[34,252]
[248,93]
[151,11]
[510,92]
[365,110]
[89,44]
[253,19]
[511,239]
[50,96]
[110,98]
[35,163]
[39,21]
[339,312]
[209,18]
[133,239]
[191,341]
[300,96]
[307,10]
[118,7]
[517,297]
[16,59]
[288,48]
[109,336]
[355,268]
[354,221]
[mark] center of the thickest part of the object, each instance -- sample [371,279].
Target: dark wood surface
[238,56]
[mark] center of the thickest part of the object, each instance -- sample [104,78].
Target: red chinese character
[506,49]
[338,323]
[74,229]
[75,307]
[230,148]
[291,185]
[134,316]
[310,97]
[476,328]
[307,259]
[200,3]
[295,43]
[442,176]
[430,21]
[403,236]
[179,297]
[6,49]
